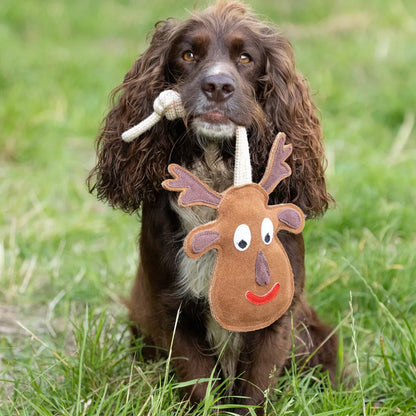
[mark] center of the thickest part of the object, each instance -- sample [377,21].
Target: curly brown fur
[240,71]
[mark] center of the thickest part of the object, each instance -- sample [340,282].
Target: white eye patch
[267,231]
[242,237]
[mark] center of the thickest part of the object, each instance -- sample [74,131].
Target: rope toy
[169,104]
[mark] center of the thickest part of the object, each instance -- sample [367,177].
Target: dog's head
[217,64]
[230,69]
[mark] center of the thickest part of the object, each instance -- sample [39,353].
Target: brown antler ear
[291,218]
[277,169]
[192,190]
[201,239]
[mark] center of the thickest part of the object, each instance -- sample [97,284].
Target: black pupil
[267,238]
[242,244]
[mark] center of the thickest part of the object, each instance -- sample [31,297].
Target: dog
[230,68]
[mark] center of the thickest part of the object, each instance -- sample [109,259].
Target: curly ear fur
[287,103]
[128,173]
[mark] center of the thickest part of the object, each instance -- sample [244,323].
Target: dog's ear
[128,173]
[286,100]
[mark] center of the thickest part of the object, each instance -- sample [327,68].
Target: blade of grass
[81,360]
[357,360]
[35,337]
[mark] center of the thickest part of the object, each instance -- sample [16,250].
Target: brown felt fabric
[257,267]
[290,217]
[203,240]
[262,272]
[235,271]
[192,190]
[276,169]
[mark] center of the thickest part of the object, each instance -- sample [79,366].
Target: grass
[67,260]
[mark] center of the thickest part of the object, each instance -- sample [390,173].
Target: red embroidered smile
[262,300]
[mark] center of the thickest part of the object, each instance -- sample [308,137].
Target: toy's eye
[244,58]
[242,237]
[188,56]
[267,231]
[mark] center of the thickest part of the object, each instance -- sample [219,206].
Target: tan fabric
[234,272]
[239,299]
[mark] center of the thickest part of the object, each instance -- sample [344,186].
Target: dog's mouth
[213,124]
[214,117]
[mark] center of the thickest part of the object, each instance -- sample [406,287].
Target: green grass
[66,260]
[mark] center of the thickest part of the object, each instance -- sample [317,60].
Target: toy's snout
[262,269]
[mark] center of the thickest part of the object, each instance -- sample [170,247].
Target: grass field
[66,260]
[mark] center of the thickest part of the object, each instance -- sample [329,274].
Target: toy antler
[193,191]
[277,169]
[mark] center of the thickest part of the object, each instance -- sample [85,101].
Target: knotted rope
[169,104]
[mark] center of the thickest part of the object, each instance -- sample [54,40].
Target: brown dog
[230,69]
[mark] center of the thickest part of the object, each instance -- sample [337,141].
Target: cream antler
[242,166]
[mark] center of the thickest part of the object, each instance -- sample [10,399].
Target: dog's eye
[244,58]
[188,56]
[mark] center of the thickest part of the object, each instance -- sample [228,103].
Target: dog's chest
[194,274]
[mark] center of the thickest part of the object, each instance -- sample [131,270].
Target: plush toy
[252,283]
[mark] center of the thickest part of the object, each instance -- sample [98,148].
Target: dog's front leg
[264,362]
[191,364]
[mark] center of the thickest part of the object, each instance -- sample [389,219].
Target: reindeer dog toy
[252,283]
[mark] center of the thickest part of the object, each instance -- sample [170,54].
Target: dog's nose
[218,87]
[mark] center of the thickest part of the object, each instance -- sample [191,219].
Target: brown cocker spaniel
[230,69]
